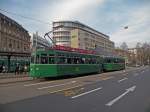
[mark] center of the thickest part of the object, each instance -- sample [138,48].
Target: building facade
[13,37]
[86,40]
[130,55]
[14,41]
[78,35]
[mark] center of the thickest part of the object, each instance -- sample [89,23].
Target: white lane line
[86,93]
[122,79]
[57,85]
[131,89]
[66,89]
[40,83]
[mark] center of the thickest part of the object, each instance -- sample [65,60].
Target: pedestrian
[4,69]
[17,70]
[20,69]
[25,69]
[1,68]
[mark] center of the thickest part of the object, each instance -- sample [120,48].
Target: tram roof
[61,51]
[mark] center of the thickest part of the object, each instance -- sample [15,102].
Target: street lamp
[126,27]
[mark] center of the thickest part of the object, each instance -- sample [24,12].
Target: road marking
[131,89]
[33,84]
[86,93]
[57,85]
[106,78]
[122,79]
[72,92]
[65,89]
[136,74]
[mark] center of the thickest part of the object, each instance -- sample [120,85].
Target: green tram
[58,62]
[113,63]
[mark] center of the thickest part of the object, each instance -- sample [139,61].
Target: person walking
[25,69]
[17,70]
[1,68]
[4,69]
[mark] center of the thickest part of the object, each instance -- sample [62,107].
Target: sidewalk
[14,80]
[6,78]
[12,75]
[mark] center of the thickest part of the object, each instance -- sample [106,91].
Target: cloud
[138,28]
[80,10]
[69,9]
[106,16]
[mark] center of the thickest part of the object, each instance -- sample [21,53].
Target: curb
[15,80]
[13,76]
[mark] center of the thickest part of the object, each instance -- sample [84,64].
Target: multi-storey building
[86,40]
[14,40]
[13,37]
[130,55]
[78,35]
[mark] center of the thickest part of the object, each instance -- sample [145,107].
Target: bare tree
[146,53]
[143,53]
[124,46]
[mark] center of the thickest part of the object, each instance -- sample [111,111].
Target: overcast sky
[106,16]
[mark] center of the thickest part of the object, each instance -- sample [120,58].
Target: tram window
[51,59]
[116,61]
[72,60]
[93,61]
[69,60]
[65,61]
[119,60]
[44,59]
[123,61]
[37,59]
[82,60]
[32,59]
[61,59]
[75,60]
[108,61]
[87,61]
[97,61]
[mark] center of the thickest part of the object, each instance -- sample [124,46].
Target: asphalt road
[120,91]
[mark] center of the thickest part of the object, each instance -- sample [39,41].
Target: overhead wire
[25,17]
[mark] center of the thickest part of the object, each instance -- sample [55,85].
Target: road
[120,91]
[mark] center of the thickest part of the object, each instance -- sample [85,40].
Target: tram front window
[51,59]
[35,59]
[32,59]
[44,59]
